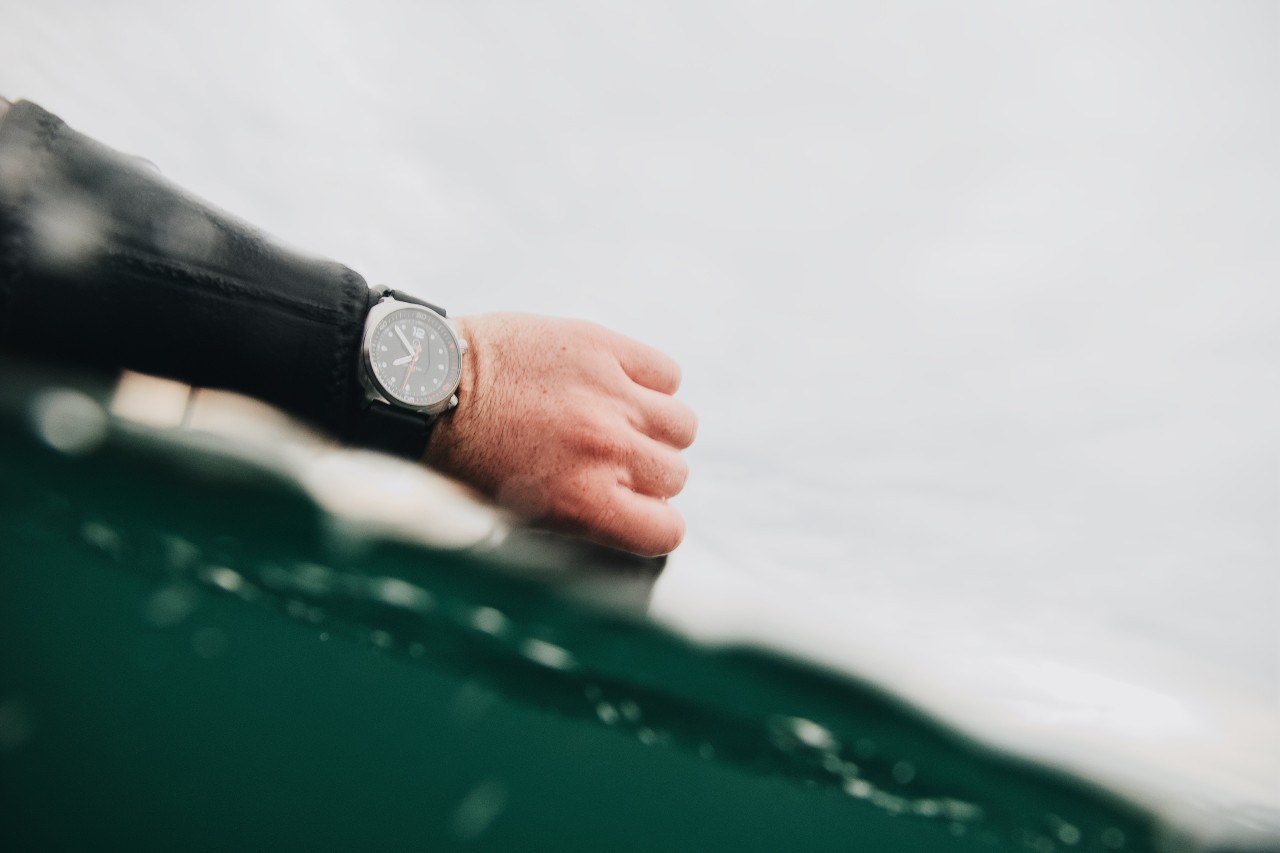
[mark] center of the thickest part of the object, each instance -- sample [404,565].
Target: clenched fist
[571,426]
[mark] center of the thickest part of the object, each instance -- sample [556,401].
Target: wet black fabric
[106,264]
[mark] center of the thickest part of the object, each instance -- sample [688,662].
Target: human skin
[571,426]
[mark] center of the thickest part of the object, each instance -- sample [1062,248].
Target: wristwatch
[410,366]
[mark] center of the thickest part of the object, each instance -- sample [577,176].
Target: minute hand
[403,339]
[412,364]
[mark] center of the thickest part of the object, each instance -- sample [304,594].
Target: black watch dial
[413,357]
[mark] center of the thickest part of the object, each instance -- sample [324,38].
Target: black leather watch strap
[391,430]
[381,291]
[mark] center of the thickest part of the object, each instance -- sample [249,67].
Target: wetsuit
[106,264]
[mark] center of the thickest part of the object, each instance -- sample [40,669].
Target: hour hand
[403,340]
[404,359]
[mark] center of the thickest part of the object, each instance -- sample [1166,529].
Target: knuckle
[596,437]
[572,501]
[674,374]
[690,426]
[676,424]
[679,475]
[668,537]
[666,475]
[588,331]
[601,517]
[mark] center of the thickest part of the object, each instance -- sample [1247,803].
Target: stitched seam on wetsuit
[218,284]
[343,380]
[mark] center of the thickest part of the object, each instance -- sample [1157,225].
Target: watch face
[412,355]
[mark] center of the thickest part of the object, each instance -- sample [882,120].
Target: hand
[571,426]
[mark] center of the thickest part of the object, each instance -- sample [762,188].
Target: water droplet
[1068,834]
[903,772]
[417,650]
[806,732]
[102,537]
[706,751]
[224,578]
[209,642]
[179,554]
[65,230]
[479,809]
[859,788]
[547,654]
[926,808]
[607,713]
[630,711]
[888,802]
[381,639]
[1113,838]
[489,620]
[169,605]
[399,593]
[275,576]
[960,810]
[647,736]
[1043,844]
[313,578]
[69,421]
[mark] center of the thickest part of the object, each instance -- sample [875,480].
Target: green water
[190,659]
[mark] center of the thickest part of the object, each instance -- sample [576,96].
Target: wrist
[444,434]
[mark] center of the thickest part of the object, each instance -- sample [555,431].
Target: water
[977,306]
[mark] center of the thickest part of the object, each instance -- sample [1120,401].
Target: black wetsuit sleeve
[105,263]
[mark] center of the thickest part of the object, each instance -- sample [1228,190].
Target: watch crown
[453,401]
[463,346]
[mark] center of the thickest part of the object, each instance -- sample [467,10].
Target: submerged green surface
[191,659]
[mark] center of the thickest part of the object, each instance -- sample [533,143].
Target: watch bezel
[374,387]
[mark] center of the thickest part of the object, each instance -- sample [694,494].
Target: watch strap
[381,291]
[392,430]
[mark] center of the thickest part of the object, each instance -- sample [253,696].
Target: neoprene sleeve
[105,263]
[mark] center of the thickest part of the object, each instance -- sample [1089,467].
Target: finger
[655,469]
[666,419]
[649,367]
[638,523]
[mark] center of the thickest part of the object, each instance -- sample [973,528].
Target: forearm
[105,263]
